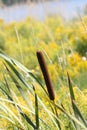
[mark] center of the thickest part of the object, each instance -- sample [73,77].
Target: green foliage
[67,46]
[81,47]
[24,100]
[62,114]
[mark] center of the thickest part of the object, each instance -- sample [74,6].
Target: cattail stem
[46,75]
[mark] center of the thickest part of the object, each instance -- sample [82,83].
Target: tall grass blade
[48,112]
[28,120]
[25,97]
[71,117]
[20,89]
[70,88]
[36,79]
[11,62]
[73,99]
[56,113]
[80,114]
[36,110]
[7,118]
[17,74]
[10,113]
[14,62]
[9,97]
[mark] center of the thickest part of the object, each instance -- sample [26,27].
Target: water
[65,8]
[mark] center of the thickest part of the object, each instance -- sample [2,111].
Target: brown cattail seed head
[46,75]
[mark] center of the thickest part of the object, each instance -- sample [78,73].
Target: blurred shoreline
[30,2]
[66,9]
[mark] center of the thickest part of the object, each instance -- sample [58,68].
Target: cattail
[46,75]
